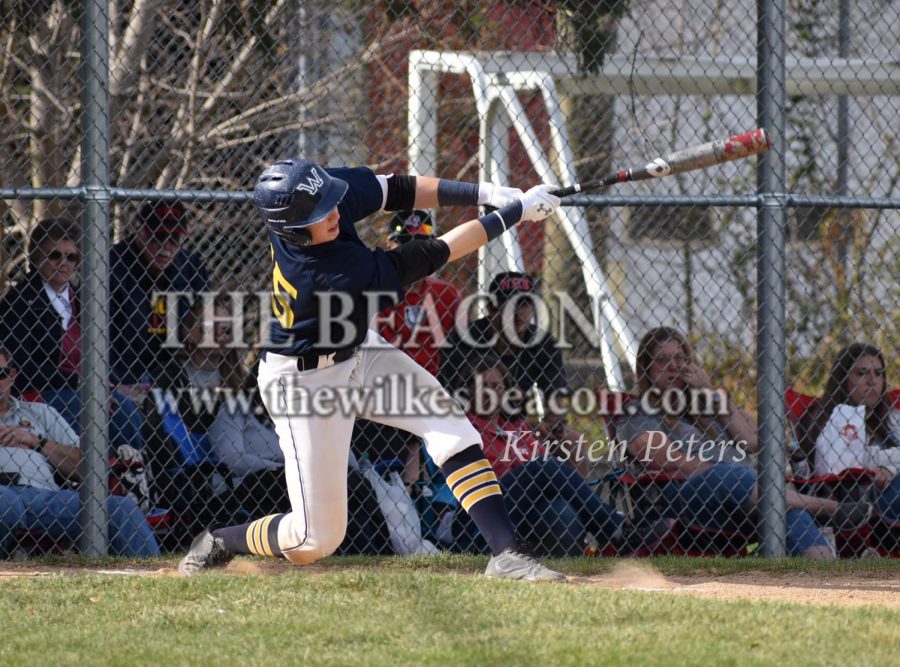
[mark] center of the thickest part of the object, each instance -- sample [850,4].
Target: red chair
[850,484]
[894,398]
[639,495]
[797,405]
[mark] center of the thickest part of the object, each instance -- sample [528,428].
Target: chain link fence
[649,326]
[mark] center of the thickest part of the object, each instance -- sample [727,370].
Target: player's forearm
[536,204]
[465,239]
[473,234]
[432,191]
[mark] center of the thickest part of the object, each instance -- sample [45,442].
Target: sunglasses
[57,256]
[165,239]
[5,372]
[665,360]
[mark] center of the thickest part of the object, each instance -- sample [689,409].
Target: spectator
[36,446]
[870,438]
[210,363]
[709,451]
[419,324]
[550,503]
[40,323]
[187,477]
[143,271]
[531,354]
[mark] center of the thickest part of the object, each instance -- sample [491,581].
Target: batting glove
[497,196]
[538,203]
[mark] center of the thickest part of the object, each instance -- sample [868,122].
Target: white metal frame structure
[496,92]
[496,79]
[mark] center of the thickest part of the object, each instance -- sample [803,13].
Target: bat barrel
[705,155]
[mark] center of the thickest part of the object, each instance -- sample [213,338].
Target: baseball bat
[687,159]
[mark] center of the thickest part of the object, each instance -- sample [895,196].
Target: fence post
[770,54]
[94,75]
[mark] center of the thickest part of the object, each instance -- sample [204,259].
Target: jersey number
[282,294]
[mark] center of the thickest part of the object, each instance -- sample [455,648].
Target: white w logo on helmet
[313,183]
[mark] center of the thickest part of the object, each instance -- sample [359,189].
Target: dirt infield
[798,588]
[802,588]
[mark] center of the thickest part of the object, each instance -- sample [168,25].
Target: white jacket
[843,443]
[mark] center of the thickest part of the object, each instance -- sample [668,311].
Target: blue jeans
[551,506]
[720,497]
[125,420]
[55,513]
[887,500]
[549,483]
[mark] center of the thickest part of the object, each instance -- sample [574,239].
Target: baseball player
[327,286]
[418,324]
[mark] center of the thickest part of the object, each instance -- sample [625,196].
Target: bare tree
[202,94]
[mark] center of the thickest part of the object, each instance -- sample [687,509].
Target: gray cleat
[206,551]
[511,564]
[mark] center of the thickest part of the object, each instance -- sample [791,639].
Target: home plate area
[848,590]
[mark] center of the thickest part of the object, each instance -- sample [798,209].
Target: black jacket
[136,348]
[32,330]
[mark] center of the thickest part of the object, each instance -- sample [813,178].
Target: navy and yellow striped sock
[474,484]
[259,537]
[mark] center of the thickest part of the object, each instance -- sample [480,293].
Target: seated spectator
[144,270]
[210,364]
[550,503]
[39,321]
[218,407]
[532,355]
[853,425]
[37,446]
[187,476]
[709,451]
[419,323]
[376,442]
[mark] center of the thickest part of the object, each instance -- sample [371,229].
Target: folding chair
[640,496]
[850,485]
[186,476]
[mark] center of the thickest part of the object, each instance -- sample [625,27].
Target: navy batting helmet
[293,194]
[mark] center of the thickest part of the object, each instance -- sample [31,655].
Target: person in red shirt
[422,320]
[551,504]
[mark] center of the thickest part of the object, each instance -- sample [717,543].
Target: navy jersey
[339,274]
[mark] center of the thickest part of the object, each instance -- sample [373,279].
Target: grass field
[433,611]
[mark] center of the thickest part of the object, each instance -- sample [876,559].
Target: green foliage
[588,29]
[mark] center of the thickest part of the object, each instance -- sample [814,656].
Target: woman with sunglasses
[682,425]
[39,323]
